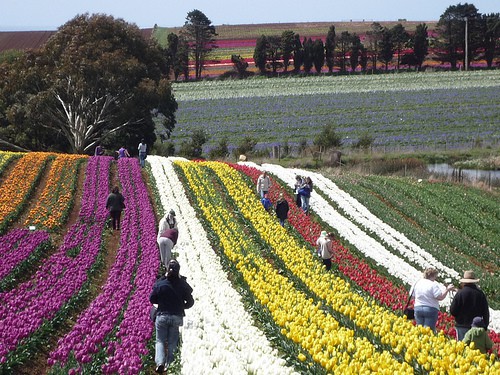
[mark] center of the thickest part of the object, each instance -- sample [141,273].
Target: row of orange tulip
[55,200]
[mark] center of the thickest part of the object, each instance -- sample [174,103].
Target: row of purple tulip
[17,245]
[117,322]
[25,308]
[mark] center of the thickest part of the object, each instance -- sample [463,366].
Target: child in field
[266,202]
[478,335]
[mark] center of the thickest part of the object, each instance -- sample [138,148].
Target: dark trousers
[115,219]
[328,264]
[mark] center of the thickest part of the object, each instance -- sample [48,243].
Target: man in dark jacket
[172,294]
[282,209]
[469,302]
[115,203]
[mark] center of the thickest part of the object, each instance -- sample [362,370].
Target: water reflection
[473,175]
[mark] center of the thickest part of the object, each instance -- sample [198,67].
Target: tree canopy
[200,35]
[96,80]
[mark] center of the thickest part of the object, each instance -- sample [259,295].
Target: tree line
[462,35]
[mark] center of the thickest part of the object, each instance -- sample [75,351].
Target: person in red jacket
[166,242]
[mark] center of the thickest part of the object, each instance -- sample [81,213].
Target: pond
[473,175]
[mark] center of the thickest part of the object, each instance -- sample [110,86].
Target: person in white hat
[167,236]
[325,248]
[469,302]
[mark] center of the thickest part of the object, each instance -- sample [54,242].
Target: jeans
[142,158]
[282,222]
[305,203]
[167,332]
[426,316]
[461,331]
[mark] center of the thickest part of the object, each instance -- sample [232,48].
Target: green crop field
[406,111]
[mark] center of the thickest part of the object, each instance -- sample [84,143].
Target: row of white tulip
[359,222]
[218,336]
[333,85]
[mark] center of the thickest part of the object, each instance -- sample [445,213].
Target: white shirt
[165,223]
[142,147]
[426,293]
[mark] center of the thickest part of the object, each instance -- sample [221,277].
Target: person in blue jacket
[173,295]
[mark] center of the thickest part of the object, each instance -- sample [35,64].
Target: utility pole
[466,44]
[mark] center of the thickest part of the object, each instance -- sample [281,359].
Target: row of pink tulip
[34,303]
[116,322]
[17,245]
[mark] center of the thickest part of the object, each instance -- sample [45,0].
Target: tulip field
[406,111]
[74,294]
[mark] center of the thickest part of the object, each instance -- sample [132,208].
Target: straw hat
[469,278]
[323,233]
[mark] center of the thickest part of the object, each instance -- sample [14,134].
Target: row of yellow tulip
[417,343]
[6,157]
[55,200]
[301,319]
[419,347]
[19,183]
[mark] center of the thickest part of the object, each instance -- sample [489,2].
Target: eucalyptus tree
[200,35]
[96,80]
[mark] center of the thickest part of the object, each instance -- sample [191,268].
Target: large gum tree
[96,80]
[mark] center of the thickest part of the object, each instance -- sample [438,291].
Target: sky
[31,15]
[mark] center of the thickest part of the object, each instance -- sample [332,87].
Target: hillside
[304,29]
[263,301]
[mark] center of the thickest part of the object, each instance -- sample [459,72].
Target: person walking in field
[166,242]
[266,202]
[123,153]
[169,221]
[282,209]
[469,302]
[115,204]
[305,194]
[263,184]
[298,184]
[142,152]
[173,295]
[325,249]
